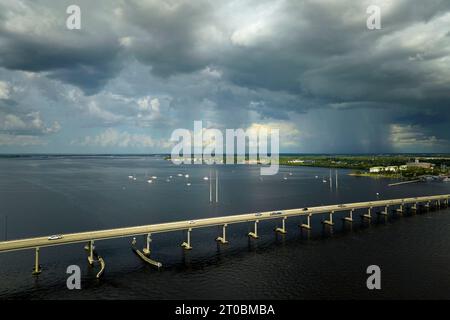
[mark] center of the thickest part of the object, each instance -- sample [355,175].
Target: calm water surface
[48,195]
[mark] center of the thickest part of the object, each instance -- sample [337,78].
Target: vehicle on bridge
[55,237]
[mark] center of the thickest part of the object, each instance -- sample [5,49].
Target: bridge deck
[30,243]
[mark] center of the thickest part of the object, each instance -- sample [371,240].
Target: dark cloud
[87,59]
[237,63]
[168,36]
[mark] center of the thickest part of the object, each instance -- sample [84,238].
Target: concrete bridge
[399,205]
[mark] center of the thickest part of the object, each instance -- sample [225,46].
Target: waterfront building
[376,169]
[418,164]
[391,168]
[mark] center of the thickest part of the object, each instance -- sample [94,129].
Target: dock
[403,182]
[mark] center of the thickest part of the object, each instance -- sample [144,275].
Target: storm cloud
[140,69]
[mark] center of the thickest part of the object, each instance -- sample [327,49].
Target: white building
[296,161]
[376,169]
[418,164]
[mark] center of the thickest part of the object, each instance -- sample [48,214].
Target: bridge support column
[187,245]
[368,215]
[330,220]
[438,203]
[37,268]
[102,267]
[143,255]
[307,225]
[254,234]
[147,250]
[283,228]
[91,252]
[350,216]
[223,238]
[385,212]
[400,210]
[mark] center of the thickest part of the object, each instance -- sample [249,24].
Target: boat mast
[217,187]
[210,187]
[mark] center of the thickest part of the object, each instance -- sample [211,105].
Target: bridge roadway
[30,243]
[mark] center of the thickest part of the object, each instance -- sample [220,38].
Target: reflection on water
[42,196]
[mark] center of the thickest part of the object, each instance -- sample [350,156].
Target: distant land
[378,165]
[408,166]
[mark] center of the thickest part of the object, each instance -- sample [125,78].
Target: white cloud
[12,122]
[256,24]
[122,139]
[30,123]
[289,133]
[126,41]
[148,104]
[211,72]
[106,116]
[4,90]
[19,140]
[403,136]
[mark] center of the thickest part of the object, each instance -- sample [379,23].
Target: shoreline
[377,176]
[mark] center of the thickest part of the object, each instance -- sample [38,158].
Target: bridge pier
[91,252]
[148,239]
[368,215]
[223,238]
[187,245]
[400,210]
[144,256]
[415,207]
[102,267]
[428,205]
[254,234]
[307,226]
[37,268]
[330,220]
[283,228]
[350,216]
[385,212]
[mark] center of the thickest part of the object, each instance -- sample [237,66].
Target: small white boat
[130,177]
[205,178]
[186,176]
[446,179]
[188,184]
[149,181]
[154,177]
[180,175]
